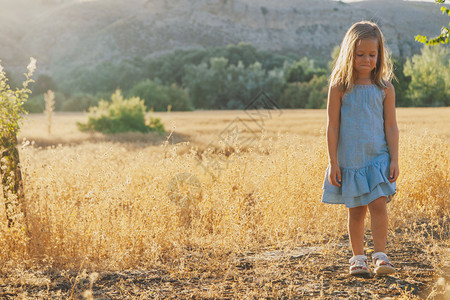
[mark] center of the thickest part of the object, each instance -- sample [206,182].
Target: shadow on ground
[128,139]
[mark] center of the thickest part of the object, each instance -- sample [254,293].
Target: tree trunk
[12,182]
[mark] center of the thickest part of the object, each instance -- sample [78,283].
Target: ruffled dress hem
[360,186]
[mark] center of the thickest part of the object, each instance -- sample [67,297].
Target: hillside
[65,34]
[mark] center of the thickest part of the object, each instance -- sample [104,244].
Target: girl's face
[366,55]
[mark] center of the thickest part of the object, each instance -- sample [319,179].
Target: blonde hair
[343,73]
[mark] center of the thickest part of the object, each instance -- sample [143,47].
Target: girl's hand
[393,171]
[334,176]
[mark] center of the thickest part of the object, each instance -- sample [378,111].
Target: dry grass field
[226,204]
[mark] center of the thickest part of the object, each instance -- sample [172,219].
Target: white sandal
[358,265]
[382,264]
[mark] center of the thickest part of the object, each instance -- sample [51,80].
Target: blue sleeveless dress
[363,153]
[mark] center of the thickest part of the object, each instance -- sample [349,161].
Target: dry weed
[106,205]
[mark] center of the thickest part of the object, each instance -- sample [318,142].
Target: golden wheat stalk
[49,108]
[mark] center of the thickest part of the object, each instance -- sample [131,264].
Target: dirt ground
[307,272]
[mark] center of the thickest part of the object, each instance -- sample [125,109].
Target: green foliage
[155,124]
[43,84]
[293,96]
[295,74]
[303,71]
[105,77]
[12,102]
[158,97]
[178,98]
[270,61]
[401,83]
[208,85]
[274,83]
[224,86]
[242,52]
[14,81]
[11,111]
[170,68]
[318,87]
[213,78]
[443,38]
[79,102]
[36,104]
[311,94]
[430,77]
[167,70]
[264,10]
[120,115]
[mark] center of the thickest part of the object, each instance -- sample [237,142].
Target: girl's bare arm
[334,115]
[391,131]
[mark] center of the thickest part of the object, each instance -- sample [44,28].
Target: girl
[362,138]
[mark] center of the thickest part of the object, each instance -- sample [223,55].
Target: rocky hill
[65,34]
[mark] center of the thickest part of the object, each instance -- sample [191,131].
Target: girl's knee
[356,213]
[378,205]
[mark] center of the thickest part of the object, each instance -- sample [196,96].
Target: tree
[445,31]
[295,74]
[224,86]
[311,94]
[430,77]
[11,111]
[158,97]
[105,77]
[303,71]
[43,84]
[80,102]
[169,68]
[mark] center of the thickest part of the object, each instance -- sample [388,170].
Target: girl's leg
[379,223]
[356,217]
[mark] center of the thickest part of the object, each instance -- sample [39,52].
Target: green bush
[155,124]
[120,115]
[158,97]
